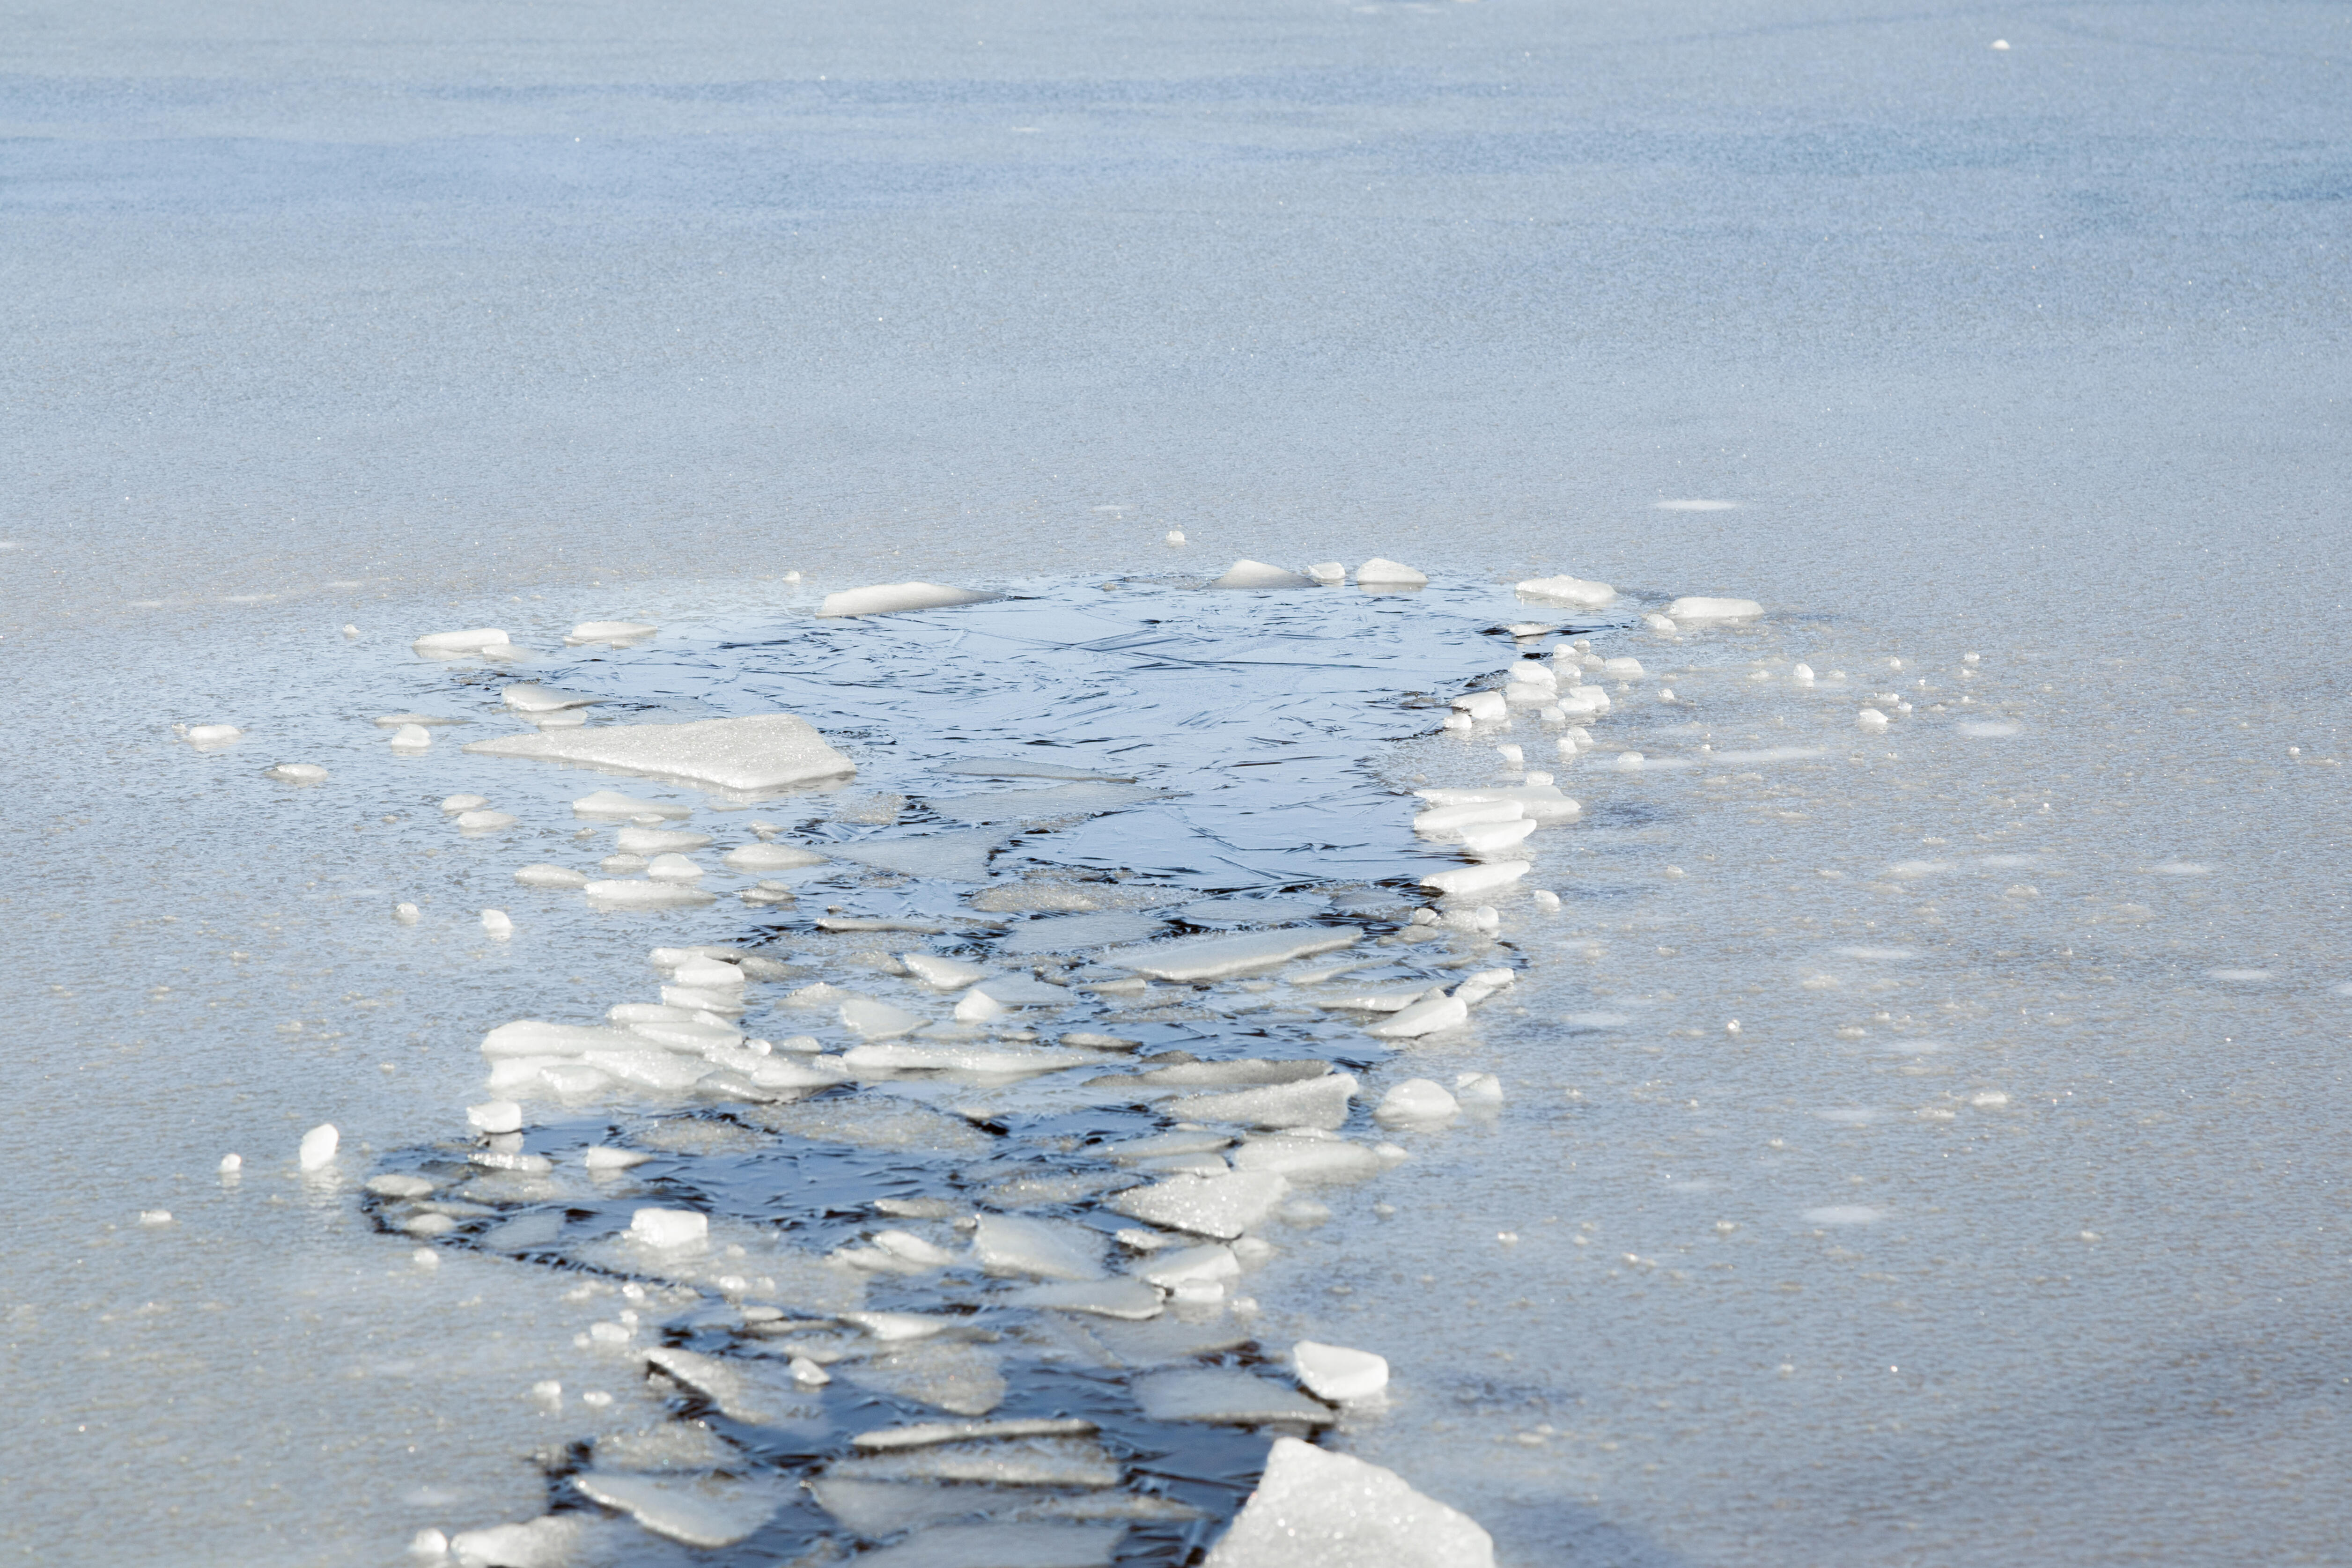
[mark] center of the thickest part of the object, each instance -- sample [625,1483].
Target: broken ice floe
[1214,957]
[1315,1509]
[532,698]
[766,751]
[619,633]
[1247,573]
[613,803]
[297,773]
[1688,611]
[1572,591]
[461,645]
[1378,572]
[888,597]
[203,734]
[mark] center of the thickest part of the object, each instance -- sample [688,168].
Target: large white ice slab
[1313,1509]
[884,598]
[1211,957]
[764,751]
[1573,591]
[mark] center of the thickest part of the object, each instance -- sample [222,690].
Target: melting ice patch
[1843,1213]
[1987,728]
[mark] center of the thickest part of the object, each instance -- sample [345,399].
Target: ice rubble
[1247,573]
[1315,1509]
[1573,591]
[765,751]
[887,598]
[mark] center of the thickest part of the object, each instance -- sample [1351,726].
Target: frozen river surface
[2007,1225]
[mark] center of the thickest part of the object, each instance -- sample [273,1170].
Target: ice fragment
[888,598]
[765,751]
[1313,1509]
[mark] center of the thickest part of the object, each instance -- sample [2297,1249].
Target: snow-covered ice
[885,598]
[765,751]
[1316,1509]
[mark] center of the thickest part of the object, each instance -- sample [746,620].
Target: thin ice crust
[765,751]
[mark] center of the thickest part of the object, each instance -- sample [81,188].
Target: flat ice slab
[1573,591]
[1234,1398]
[615,632]
[1247,573]
[1211,957]
[1313,1508]
[1714,609]
[698,1511]
[765,751]
[886,597]
[1379,572]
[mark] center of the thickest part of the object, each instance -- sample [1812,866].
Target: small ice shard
[1701,609]
[429,1543]
[297,773]
[230,1165]
[1427,1016]
[809,1373]
[532,697]
[614,632]
[1318,1102]
[1327,573]
[1232,1398]
[407,914]
[1039,1248]
[978,1007]
[764,751]
[1378,572]
[429,720]
[894,1327]
[695,1511]
[1338,1373]
[601,1158]
[1175,537]
[212,734]
[951,857]
[890,598]
[1417,1100]
[930,1434]
[910,1056]
[740,1393]
[411,738]
[1316,1509]
[457,644]
[1801,673]
[154,1216]
[485,822]
[2000,43]
[1476,878]
[669,1228]
[672,867]
[1446,823]
[494,1116]
[1222,1207]
[1622,669]
[945,974]
[496,922]
[546,875]
[318,1150]
[1247,573]
[613,803]
[770,857]
[1484,984]
[871,1019]
[1214,957]
[1657,622]
[452,804]
[645,896]
[703,972]
[1573,591]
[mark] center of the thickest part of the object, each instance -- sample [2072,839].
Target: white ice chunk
[1315,1102]
[1427,1016]
[456,645]
[297,773]
[669,1228]
[1214,957]
[945,974]
[1186,1265]
[1622,669]
[613,803]
[1219,1205]
[1688,609]
[1307,1160]
[870,1018]
[1540,804]
[1247,573]
[1417,1100]
[1872,720]
[902,1056]
[485,822]
[552,1541]
[1039,1248]
[408,738]
[494,1116]
[545,875]
[1446,823]
[212,734]
[601,1158]
[1582,701]
[1573,591]
[1483,707]
[407,914]
[765,751]
[770,857]
[703,971]
[1338,1373]
[978,1007]
[614,632]
[1490,839]
[1316,1509]
[1327,573]
[672,867]
[658,841]
[531,1037]
[1476,878]
[1233,1397]
[1477,1089]
[498,923]
[646,895]
[318,1150]
[1379,573]
[1128,1299]
[887,598]
[695,1511]
[532,697]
